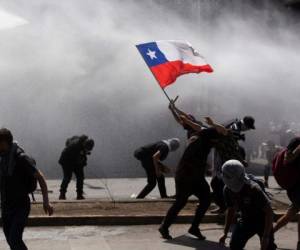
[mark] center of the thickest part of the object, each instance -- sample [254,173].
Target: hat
[233,175]
[249,122]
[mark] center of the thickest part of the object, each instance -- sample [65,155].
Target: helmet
[234,176]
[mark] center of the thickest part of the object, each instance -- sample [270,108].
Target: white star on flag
[151,54]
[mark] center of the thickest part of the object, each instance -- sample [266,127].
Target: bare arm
[42,182]
[228,221]
[174,113]
[156,161]
[220,128]
[268,227]
[190,123]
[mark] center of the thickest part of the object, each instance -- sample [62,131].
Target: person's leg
[182,195]
[217,186]
[266,175]
[16,230]
[260,227]
[67,172]
[151,179]
[79,173]
[240,236]
[286,218]
[6,224]
[202,192]
[162,186]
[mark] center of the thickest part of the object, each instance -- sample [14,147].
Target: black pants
[243,231]
[184,189]
[68,171]
[14,221]
[151,180]
[217,186]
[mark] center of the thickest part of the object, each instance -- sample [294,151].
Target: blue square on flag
[151,54]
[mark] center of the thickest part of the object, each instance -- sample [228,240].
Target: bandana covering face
[173,144]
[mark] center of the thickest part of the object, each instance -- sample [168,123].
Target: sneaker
[62,197]
[196,232]
[165,233]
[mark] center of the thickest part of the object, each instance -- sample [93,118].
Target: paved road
[134,238]
[123,188]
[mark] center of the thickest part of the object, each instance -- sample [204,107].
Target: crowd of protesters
[242,197]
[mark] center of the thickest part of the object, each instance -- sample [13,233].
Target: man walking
[18,178]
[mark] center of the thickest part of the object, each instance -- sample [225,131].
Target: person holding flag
[190,175]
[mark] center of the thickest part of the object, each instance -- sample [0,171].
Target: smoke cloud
[74,69]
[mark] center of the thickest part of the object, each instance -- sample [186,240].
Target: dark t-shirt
[193,162]
[147,151]
[251,202]
[14,188]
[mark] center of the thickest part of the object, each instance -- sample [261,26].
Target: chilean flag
[170,59]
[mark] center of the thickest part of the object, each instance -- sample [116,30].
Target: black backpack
[31,181]
[260,184]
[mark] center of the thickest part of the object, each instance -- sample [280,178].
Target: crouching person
[286,170]
[18,178]
[244,195]
[151,156]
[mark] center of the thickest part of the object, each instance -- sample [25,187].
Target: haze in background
[74,69]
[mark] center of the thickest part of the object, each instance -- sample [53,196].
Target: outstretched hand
[48,208]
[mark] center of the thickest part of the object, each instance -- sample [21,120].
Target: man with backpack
[228,148]
[73,159]
[150,157]
[18,178]
[286,170]
[245,195]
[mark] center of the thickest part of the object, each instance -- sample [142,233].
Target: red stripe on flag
[167,73]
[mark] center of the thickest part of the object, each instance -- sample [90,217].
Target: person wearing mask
[151,157]
[256,214]
[18,179]
[73,159]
